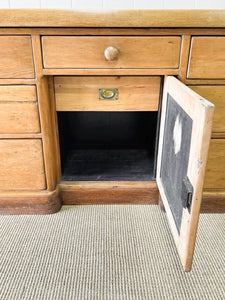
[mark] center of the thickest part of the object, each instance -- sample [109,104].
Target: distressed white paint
[177,135]
[116,4]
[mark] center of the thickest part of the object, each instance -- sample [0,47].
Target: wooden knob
[111,53]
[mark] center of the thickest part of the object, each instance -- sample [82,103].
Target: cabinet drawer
[16,59]
[22,165]
[216,95]
[19,117]
[83,94]
[207,57]
[19,110]
[133,52]
[215,168]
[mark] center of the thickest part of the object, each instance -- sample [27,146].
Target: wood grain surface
[112,18]
[47,118]
[215,168]
[216,95]
[19,111]
[88,52]
[19,117]
[32,202]
[122,192]
[81,93]
[207,57]
[16,58]
[18,93]
[213,202]
[144,49]
[22,166]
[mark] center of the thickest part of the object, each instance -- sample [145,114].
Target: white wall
[128,4]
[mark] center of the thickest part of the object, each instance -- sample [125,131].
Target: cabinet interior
[107,146]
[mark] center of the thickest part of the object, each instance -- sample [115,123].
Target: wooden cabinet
[117,70]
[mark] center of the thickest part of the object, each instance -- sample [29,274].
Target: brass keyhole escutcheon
[107,94]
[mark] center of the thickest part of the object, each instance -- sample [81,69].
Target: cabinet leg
[161,205]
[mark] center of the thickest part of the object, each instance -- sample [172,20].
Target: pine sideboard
[55,63]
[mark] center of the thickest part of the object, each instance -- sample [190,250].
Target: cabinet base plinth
[213,202]
[91,197]
[114,192]
[46,202]
[31,203]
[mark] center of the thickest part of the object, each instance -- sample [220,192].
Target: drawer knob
[111,53]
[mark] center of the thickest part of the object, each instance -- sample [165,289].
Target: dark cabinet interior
[107,146]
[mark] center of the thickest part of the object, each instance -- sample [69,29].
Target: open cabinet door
[185,131]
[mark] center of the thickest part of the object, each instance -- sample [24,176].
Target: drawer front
[19,118]
[19,109]
[216,95]
[22,165]
[16,59]
[207,58]
[82,93]
[215,168]
[133,52]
